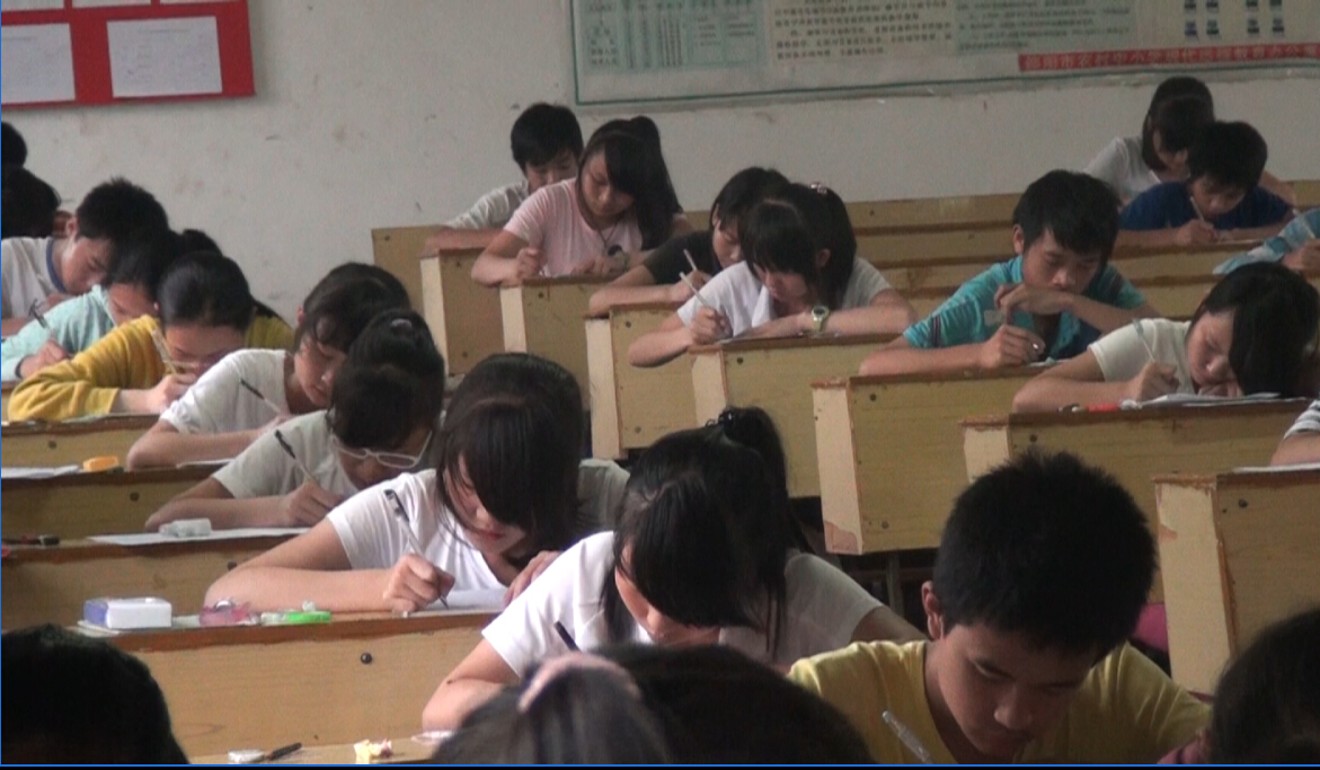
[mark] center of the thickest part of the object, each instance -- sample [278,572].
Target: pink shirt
[551,221]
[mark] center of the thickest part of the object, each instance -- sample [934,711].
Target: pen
[281,752]
[288,450]
[253,390]
[691,262]
[34,311]
[700,299]
[1136,324]
[567,637]
[908,738]
[163,351]
[413,542]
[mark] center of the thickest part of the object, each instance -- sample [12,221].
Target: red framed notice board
[88,52]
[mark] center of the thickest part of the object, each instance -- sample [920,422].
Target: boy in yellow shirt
[1042,570]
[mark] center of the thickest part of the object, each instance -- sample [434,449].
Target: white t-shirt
[373,535]
[217,403]
[746,302]
[551,221]
[25,275]
[264,470]
[821,613]
[1120,165]
[1122,355]
[1307,422]
[492,209]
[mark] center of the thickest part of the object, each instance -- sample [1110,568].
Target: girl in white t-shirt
[383,412]
[251,390]
[508,495]
[704,554]
[1255,332]
[621,202]
[800,274]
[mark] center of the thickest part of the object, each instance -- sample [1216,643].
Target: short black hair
[743,191]
[117,209]
[1179,121]
[636,166]
[391,383]
[1276,328]
[143,260]
[342,303]
[1267,705]
[1178,86]
[13,147]
[784,232]
[1047,547]
[543,131]
[51,717]
[207,288]
[706,529]
[1232,154]
[516,424]
[1078,209]
[29,204]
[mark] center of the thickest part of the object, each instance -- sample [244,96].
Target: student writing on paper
[206,313]
[1042,570]
[1255,332]
[699,255]
[252,390]
[50,270]
[622,201]
[1056,297]
[507,495]
[382,419]
[1297,246]
[800,275]
[704,554]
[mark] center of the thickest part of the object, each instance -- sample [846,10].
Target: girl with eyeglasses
[381,422]
[250,391]
[506,494]
[206,312]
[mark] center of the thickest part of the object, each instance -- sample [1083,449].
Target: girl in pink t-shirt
[621,202]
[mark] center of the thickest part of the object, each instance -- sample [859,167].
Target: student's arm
[888,313]
[635,287]
[1278,187]
[29,351]
[1079,380]
[480,677]
[507,261]
[164,446]
[1253,233]
[1010,346]
[883,624]
[1195,233]
[1100,315]
[673,337]
[1297,449]
[306,505]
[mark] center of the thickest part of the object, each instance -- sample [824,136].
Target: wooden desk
[1239,550]
[544,316]
[889,451]
[396,249]
[776,375]
[361,676]
[961,212]
[91,503]
[632,407]
[42,444]
[6,390]
[1135,444]
[50,584]
[463,315]
[406,752]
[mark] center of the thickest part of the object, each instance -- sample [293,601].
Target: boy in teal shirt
[1056,297]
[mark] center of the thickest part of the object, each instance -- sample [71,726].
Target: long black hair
[636,166]
[786,231]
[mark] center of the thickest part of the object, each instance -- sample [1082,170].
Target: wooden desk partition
[50,584]
[464,316]
[91,503]
[396,249]
[544,316]
[358,677]
[960,212]
[776,375]
[889,451]
[45,444]
[631,407]
[1135,444]
[1239,552]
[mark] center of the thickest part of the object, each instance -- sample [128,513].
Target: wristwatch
[818,315]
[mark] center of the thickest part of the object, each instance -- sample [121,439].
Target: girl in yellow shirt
[206,312]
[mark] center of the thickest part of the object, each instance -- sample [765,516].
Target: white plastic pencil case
[129,613]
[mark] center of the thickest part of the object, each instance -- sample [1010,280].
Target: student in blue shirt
[1296,246]
[1052,300]
[1222,199]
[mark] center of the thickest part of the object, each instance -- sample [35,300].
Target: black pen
[563,634]
[288,450]
[253,390]
[413,542]
[281,752]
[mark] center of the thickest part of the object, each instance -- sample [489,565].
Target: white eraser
[129,613]
[187,528]
[246,756]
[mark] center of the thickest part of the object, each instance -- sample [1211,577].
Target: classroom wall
[374,113]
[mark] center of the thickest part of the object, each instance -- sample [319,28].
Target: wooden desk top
[406,751]
[139,422]
[1160,412]
[82,549]
[843,383]
[1259,478]
[115,477]
[788,343]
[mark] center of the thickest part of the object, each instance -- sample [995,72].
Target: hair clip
[401,325]
[819,188]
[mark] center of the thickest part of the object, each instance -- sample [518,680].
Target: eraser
[102,463]
[187,528]
[246,756]
[129,613]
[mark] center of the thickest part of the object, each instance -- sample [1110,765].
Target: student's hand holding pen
[414,583]
[1197,232]
[528,263]
[1010,346]
[709,326]
[1304,257]
[1154,380]
[170,389]
[532,571]
[306,505]
[48,354]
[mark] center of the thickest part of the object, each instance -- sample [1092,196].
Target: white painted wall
[373,113]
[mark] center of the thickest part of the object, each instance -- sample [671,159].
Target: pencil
[691,262]
[34,312]
[908,738]
[163,351]
[288,450]
[695,292]
[1136,324]
[565,636]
